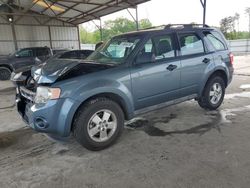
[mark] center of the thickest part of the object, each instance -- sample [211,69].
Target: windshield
[116,50]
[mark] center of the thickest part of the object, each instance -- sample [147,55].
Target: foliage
[227,26]
[112,28]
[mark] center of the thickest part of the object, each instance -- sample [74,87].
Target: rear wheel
[5,73]
[98,124]
[213,93]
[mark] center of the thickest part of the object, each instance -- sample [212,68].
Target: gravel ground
[179,146]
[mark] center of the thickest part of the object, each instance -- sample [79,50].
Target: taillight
[231,56]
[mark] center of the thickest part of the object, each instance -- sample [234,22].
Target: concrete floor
[179,146]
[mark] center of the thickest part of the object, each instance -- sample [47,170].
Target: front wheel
[213,94]
[5,73]
[98,124]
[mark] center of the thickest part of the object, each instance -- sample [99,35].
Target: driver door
[155,73]
[24,58]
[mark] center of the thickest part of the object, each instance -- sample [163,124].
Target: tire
[89,124]
[213,94]
[5,73]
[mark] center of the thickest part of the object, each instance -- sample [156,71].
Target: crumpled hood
[59,69]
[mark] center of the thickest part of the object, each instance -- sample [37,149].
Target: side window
[25,53]
[156,49]
[69,55]
[216,40]
[191,44]
[42,52]
[163,47]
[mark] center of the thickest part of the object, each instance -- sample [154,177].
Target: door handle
[206,60]
[171,67]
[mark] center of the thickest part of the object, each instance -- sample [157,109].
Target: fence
[240,47]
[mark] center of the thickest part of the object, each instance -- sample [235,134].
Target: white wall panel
[5,32]
[32,32]
[66,44]
[64,33]
[32,44]
[2,20]
[6,48]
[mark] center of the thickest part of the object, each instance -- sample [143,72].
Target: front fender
[91,89]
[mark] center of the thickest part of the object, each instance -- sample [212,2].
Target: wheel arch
[6,66]
[218,72]
[109,95]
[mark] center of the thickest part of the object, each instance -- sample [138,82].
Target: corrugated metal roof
[71,11]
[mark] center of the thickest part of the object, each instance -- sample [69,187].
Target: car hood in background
[59,69]
[4,58]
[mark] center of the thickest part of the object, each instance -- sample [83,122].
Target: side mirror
[147,57]
[16,55]
[98,45]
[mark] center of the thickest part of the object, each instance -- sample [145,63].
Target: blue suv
[131,74]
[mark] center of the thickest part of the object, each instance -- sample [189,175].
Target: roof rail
[154,27]
[172,26]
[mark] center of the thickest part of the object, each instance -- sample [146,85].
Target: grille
[30,95]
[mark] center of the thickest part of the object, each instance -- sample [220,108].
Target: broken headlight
[44,94]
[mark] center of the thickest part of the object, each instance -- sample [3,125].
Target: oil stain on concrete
[148,125]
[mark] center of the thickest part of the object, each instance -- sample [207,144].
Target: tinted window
[70,55]
[216,40]
[158,48]
[25,53]
[42,52]
[84,53]
[190,44]
[163,47]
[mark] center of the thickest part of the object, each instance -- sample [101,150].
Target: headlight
[43,94]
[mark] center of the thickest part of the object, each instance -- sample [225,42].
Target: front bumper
[54,117]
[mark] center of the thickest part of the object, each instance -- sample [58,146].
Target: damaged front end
[38,100]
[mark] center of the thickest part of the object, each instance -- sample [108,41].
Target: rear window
[191,44]
[216,39]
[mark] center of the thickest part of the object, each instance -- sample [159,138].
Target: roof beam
[49,7]
[90,13]
[85,2]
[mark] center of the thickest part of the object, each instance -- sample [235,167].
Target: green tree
[111,28]
[85,36]
[145,23]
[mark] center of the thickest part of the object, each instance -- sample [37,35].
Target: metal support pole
[101,33]
[14,36]
[50,41]
[79,38]
[204,5]
[136,17]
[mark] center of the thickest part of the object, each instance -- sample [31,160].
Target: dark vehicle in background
[74,54]
[23,76]
[131,74]
[24,58]
[56,51]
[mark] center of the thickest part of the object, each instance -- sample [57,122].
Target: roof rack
[154,27]
[177,26]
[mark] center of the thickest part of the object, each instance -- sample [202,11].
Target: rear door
[194,61]
[156,72]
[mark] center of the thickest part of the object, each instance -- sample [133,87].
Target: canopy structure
[69,11]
